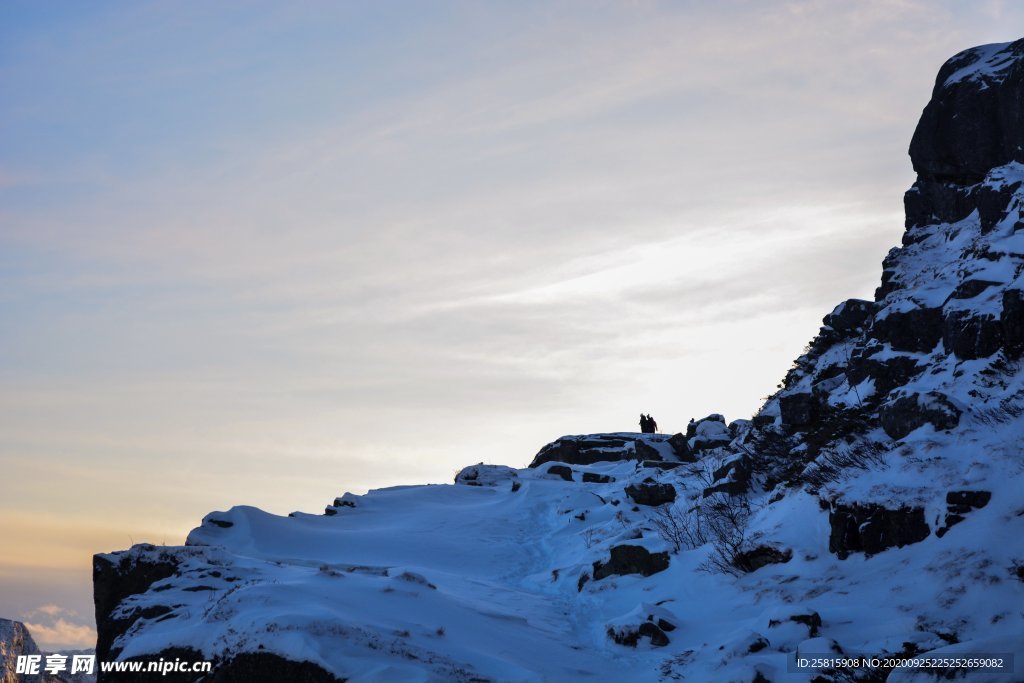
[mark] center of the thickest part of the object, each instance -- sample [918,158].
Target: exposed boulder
[731,478]
[594,478]
[645,451]
[969,335]
[651,493]
[799,409]
[691,428]
[560,471]
[711,432]
[904,414]
[631,559]
[681,446]
[958,504]
[917,329]
[474,475]
[850,317]
[586,450]
[870,528]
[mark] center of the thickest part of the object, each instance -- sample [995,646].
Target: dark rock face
[651,493]
[593,478]
[916,330]
[680,444]
[992,204]
[586,450]
[631,559]
[561,471]
[652,631]
[888,373]
[905,414]
[972,123]
[799,409]
[112,582]
[732,478]
[968,336]
[850,317]
[968,289]
[870,529]
[645,451]
[761,556]
[1012,320]
[937,202]
[958,504]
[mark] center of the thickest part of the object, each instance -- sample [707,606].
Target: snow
[431,583]
[986,63]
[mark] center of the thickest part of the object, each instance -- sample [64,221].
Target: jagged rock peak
[975,119]
[15,640]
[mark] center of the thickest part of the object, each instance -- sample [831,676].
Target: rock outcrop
[593,448]
[631,559]
[904,414]
[870,529]
[651,493]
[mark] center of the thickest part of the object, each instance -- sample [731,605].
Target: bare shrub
[830,464]
[681,529]
[726,520]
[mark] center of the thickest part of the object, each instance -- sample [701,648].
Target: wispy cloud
[58,627]
[62,634]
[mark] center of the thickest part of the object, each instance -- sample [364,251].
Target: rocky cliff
[873,505]
[15,640]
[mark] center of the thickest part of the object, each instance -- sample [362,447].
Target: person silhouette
[652,425]
[644,424]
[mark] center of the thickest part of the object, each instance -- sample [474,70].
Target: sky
[266,253]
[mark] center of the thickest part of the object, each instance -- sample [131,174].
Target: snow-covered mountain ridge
[873,506]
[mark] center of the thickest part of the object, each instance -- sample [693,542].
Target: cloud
[57,628]
[49,611]
[62,634]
